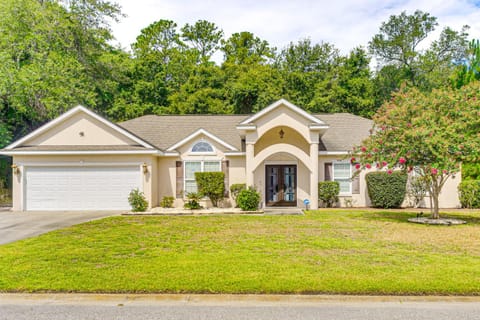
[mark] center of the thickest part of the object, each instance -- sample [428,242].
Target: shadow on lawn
[403,216]
[471,219]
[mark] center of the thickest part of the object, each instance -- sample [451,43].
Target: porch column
[314,176]
[249,159]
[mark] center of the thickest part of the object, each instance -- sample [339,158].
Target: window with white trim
[198,166]
[202,147]
[342,173]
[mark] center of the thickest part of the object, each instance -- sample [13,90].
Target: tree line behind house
[55,54]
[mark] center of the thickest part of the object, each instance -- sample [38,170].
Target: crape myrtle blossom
[432,132]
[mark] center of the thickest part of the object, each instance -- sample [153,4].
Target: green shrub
[6,170]
[167,202]
[137,200]
[211,185]
[328,192]
[193,201]
[248,199]
[469,193]
[236,188]
[470,171]
[386,190]
[5,193]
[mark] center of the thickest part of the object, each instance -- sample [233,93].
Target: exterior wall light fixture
[281,133]
[145,168]
[15,169]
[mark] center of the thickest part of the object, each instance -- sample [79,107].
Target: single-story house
[82,161]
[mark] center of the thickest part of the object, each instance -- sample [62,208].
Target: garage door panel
[80,188]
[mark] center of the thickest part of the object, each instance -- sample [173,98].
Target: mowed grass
[335,251]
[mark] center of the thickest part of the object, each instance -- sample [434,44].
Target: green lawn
[335,251]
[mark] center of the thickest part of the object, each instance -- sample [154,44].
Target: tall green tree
[51,57]
[203,93]
[469,69]
[162,64]
[303,65]
[347,87]
[246,48]
[250,88]
[398,47]
[204,36]
[251,82]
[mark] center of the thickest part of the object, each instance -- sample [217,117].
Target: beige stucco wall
[299,142]
[303,176]
[69,132]
[149,179]
[237,169]
[167,178]
[283,117]
[448,197]
[290,136]
[358,200]
[160,180]
[167,168]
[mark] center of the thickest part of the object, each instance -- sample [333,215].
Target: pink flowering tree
[431,133]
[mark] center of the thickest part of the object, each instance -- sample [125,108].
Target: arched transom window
[202,147]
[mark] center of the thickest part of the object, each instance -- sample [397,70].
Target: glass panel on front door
[281,183]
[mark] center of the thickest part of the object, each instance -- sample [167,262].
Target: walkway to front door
[281,185]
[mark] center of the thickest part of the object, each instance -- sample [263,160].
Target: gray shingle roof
[165,131]
[346,130]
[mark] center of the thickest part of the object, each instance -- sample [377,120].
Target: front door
[281,185]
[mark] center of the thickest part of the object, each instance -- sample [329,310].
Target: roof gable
[79,126]
[278,104]
[200,132]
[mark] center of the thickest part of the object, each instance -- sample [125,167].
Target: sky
[344,23]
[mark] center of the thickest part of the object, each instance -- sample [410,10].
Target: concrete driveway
[20,225]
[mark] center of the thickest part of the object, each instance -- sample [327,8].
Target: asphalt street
[251,309]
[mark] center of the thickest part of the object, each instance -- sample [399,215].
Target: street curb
[219,299]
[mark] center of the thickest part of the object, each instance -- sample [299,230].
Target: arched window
[202,147]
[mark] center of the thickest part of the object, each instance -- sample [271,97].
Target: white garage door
[80,188]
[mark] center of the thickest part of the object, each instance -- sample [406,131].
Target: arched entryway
[282,128]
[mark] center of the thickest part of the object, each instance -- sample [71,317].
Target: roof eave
[332,153]
[289,105]
[197,133]
[80,152]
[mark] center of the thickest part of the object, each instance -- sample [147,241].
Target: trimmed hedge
[328,192]
[386,190]
[469,193]
[211,185]
[470,171]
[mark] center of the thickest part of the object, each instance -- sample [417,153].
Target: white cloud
[346,24]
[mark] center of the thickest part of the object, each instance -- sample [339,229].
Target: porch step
[283,211]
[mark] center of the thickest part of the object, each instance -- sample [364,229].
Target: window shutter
[225,170]
[179,185]
[355,182]
[328,171]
